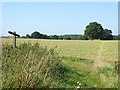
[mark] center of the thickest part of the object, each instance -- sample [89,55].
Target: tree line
[93,31]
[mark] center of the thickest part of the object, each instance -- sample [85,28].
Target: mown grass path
[89,75]
[98,62]
[100,52]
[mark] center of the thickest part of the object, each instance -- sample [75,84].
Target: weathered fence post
[14,33]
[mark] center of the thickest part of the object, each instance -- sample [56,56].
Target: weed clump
[30,66]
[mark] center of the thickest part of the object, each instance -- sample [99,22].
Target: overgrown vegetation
[30,66]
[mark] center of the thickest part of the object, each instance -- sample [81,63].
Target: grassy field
[90,63]
[96,49]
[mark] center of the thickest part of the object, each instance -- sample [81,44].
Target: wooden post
[14,33]
[15,40]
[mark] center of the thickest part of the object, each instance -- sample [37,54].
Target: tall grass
[30,66]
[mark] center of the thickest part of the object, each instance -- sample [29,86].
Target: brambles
[30,66]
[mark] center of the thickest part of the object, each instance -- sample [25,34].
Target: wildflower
[79,84]
[78,87]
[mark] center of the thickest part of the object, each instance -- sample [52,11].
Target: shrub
[30,66]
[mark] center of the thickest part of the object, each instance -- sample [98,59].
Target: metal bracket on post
[14,33]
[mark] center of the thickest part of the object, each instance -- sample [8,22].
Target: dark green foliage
[36,35]
[66,37]
[54,37]
[28,36]
[94,30]
[45,36]
[83,37]
[115,37]
[107,35]
[119,37]
[30,66]
[23,36]
[71,37]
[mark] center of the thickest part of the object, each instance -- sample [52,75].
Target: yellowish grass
[78,48]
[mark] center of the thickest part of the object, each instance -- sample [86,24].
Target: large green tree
[28,36]
[36,35]
[94,30]
[107,35]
